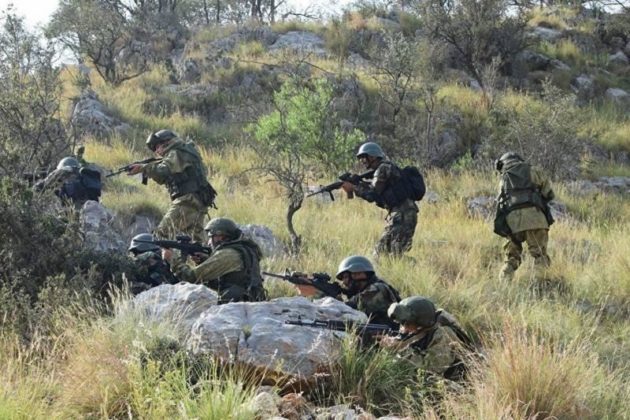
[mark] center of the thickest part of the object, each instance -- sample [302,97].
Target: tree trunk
[295,203]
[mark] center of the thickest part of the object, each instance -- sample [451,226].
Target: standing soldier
[152,269]
[431,339]
[523,213]
[184,174]
[72,182]
[233,268]
[387,192]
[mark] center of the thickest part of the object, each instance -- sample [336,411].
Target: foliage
[302,131]
[478,32]
[544,133]
[31,135]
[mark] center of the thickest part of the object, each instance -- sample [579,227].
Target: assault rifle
[320,281]
[347,177]
[126,168]
[183,243]
[361,329]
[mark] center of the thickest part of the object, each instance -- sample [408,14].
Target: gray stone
[179,305]
[265,405]
[560,65]
[91,117]
[189,71]
[482,207]
[356,61]
[545,34]
[301,42]
[431,197]
[97,226]
[618,58]
[618,96]
[271,246]
[618,184]
[559,211]
[534,61]
[583,86]
[255,334]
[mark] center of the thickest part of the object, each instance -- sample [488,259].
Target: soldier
[431,339]
[72,183]
[364,291]
[152,269]
[402,216]
[233,268]
[523,213]
[184,174]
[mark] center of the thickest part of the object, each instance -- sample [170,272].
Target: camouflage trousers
[398,234]
[185,216]
[536,240]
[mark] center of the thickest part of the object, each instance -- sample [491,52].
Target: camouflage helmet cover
[159,137]
[506,157]
[355,264]
[139,247]
[68,162]
[371,149]
[223,226]
[416,309]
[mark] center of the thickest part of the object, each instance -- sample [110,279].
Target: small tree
[301,132]
[31,136]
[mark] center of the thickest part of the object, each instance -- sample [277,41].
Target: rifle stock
[320,281]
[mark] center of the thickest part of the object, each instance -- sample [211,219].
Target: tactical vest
[378,317]
[457,370]
[249,277]
[518,189]
[193,178]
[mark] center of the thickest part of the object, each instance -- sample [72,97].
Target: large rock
[534,61]
[545,34]
[618,59]
[91,117]
[189,71]
[180,304]
[301,42]
[447,149]
[584,87]
[617,184]
[271,246]
[618,96]
[97,226]
[483,207]
[255,334]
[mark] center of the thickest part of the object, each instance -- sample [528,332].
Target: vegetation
[72,347]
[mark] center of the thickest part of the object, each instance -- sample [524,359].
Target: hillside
[552,84]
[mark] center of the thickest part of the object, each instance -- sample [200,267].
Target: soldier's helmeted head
[136,247]
[354,272]
[370,149]
[221,229]
[68,163]
[416,310]
[159,137]
[507,158]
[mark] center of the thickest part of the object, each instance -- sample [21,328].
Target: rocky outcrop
[616,184]
[302,42]
[97,225]
[271,246]
[618,96]
[255,334]
[91,118]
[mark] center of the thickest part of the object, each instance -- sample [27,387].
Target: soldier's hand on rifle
[348,187]
[199,257]
[167,255]
[135,169]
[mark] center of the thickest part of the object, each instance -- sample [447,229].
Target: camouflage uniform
[184,174]
[152,271]
[528,224]
[401,219]
[233,270]
[374,300]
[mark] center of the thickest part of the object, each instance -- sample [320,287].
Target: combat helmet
[140,247]
[159,137]
[68,162]
[416,309]
[223,226]
[355,264]
[371,149]
[506,157]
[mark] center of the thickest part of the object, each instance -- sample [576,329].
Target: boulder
[255,334]
[618,96]
[618,59]
[189,71]
[178,304]
[584,87]
[430,197]
[91,118]
[97,226]
[482,207]
[534,61]
[617,184]
[545,34]
[301,42]
[271,246]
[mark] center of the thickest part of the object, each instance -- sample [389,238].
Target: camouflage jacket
[383,178]
[374,300]
[529,218]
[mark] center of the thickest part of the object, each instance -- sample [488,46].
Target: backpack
[414,183]
[91,182]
